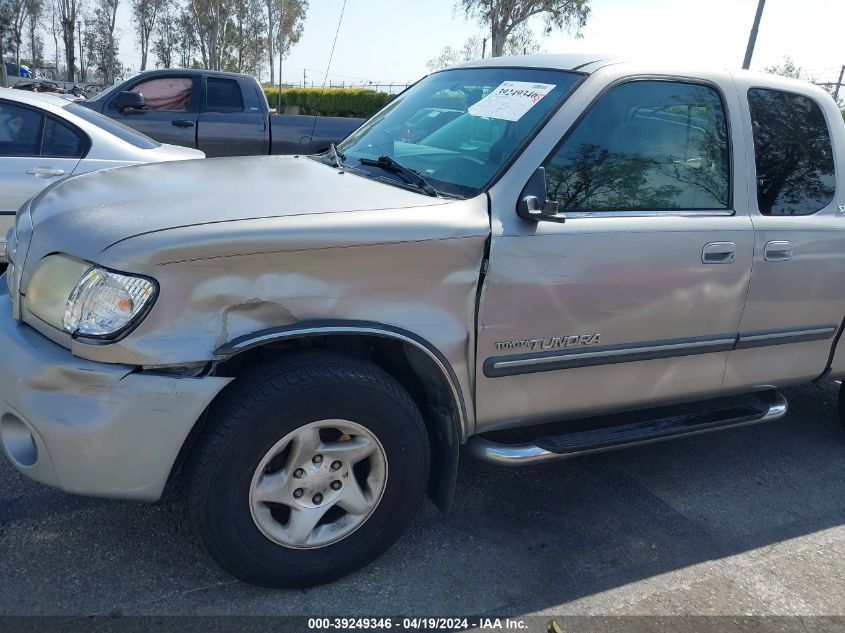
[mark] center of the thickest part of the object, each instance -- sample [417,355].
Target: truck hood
[87,214]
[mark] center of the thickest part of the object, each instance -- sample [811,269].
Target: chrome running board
[705,417]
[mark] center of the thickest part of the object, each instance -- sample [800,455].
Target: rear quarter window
[792,152]
[62,141]
[223,95]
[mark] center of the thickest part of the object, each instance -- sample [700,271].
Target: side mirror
[533,204]
[127,100]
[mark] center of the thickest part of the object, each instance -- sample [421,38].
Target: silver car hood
[87,214]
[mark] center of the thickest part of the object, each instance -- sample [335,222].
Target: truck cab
[211,111]
[221,113]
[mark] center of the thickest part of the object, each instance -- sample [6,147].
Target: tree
[101,42]
[55,31]
[450,56]
[5,24]
[164,46]
[789,69]
[503,17]
[285,21]
[36,44]
[211,19]
[19,10]
[786,69]
[247,42]
[145,13]
[187,42]
[522,41]
[67,11]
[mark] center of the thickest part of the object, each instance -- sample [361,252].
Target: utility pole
[752,38]
[838,84]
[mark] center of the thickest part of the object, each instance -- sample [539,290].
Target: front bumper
[91,428]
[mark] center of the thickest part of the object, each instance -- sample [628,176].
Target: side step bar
[705,417]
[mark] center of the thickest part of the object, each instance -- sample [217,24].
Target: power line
[334,43]
[329,65]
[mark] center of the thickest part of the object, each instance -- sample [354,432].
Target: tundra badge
[551,343]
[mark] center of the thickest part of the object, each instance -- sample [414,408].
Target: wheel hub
[318,475]
[317,478]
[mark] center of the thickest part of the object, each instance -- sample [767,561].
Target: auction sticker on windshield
[511,100]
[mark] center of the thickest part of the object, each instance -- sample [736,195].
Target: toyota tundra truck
[571,255]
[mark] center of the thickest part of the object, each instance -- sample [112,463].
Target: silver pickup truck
[526,259]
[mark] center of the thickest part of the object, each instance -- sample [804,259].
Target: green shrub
[348,102]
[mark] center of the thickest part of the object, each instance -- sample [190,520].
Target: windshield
[123,132]
[457,128]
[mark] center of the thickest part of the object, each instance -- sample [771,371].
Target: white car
[45,138]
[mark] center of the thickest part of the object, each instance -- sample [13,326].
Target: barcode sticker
[511,100]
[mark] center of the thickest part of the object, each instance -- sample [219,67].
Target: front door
[636,298]
[796,301]
[171,108]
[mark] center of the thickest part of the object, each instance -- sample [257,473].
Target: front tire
[308,469]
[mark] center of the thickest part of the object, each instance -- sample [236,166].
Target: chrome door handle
[718,253]
[778,251]
[46,172]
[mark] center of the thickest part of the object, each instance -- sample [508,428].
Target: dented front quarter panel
[241,245]
[415,268]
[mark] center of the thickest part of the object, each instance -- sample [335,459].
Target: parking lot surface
[749,521]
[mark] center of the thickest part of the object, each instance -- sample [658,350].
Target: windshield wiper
[387,163]
[336,157]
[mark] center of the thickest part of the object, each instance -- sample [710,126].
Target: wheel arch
[421,368]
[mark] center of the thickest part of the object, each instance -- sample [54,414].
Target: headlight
[86,300]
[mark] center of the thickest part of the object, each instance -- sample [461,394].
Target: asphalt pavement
[747,521]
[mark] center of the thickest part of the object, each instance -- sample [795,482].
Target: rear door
[796,300]
[170,112]
[636,298]
[232,121]
[21,129]
[35,150]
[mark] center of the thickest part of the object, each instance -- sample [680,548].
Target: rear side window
[645,146]
[792,149]
[20,130]
[223,95]
[62,141]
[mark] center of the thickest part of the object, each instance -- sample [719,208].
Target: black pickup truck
[220,113]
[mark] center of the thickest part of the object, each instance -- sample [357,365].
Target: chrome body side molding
[782,337]
[515,364]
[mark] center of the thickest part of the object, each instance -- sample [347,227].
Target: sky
[389,41]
